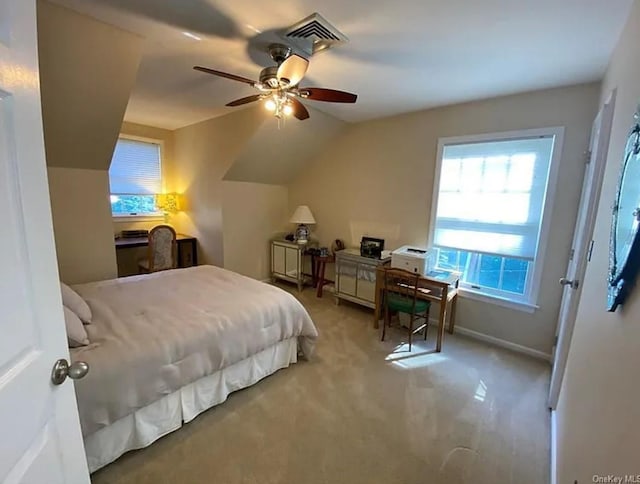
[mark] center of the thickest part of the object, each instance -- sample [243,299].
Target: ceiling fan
[278,85]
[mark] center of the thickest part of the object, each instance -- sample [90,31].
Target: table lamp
[302,216]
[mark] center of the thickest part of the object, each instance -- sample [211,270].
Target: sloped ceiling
[401,56]
[87,71]
[276,154]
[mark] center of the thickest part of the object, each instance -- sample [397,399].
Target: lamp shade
[168,202]
[302,215]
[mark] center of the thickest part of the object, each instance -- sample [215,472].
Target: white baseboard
[554,449]
[503,343]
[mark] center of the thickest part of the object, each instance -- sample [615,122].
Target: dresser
[356,277]
[287,261]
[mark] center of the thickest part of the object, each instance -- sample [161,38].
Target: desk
[439,291]
[187,247]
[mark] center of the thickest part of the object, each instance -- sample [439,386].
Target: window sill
[138,218]
[498,301]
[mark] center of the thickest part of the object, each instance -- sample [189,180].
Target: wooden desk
[187,248]
[439,291]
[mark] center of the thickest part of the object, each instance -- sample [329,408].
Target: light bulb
[288,110]
[270,104]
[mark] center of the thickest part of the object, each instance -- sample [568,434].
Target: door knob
[62,369]
[567,282]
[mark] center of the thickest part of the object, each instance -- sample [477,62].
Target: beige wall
[82,108]
[378,178]
[598,416]
[203,153]
[83,102]
[278,151]
[82,224]
[252,214]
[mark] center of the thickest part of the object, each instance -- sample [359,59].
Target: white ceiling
[402,56]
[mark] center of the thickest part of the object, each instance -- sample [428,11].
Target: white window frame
[529,302]
[142,217]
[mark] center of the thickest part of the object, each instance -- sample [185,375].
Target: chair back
[162,248]
[402,285]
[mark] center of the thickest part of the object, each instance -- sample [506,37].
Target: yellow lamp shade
[168,202]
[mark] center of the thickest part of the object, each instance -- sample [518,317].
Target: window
[491,210]
[135,177]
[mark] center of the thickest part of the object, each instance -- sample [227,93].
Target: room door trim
[582,244]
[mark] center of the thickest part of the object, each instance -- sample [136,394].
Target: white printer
[414,259]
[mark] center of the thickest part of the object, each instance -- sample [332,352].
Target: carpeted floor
[365,411]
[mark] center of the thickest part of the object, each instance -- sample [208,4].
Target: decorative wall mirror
[624,245]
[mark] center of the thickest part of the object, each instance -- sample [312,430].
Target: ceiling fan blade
[226,75]
[245,100]
[328,95]
[299,111]
[293,69]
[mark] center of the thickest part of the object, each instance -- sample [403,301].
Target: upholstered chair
[162,250]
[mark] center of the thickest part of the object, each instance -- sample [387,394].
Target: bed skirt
[149,423]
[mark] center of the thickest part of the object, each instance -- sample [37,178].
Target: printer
[414,259]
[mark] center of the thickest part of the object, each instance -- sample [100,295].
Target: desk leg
[314,271]
[376,311]
[442,320]
[194,254]
[452,316]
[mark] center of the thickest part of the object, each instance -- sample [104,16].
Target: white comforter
[153,334]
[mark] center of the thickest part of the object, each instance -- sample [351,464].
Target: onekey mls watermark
[616,479]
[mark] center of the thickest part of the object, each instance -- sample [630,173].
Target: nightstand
[287,261]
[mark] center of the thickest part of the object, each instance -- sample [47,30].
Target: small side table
[319,265]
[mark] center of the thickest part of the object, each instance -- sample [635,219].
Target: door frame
[564,332]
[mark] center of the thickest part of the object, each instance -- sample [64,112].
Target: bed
[167,346]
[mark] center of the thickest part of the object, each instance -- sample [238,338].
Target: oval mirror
[624,247]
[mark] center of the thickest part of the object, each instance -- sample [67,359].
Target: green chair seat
[404,305]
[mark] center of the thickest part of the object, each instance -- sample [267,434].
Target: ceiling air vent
[314,34]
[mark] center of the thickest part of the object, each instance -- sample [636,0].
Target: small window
[135,177]
[490,207]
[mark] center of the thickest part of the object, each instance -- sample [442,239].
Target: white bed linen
[149,423]
[152,335]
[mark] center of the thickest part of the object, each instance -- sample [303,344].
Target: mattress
[154,334]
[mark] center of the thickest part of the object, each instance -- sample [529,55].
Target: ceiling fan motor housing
[279,52]
[269,77]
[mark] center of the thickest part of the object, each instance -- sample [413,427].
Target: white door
[582,244]
[40,439]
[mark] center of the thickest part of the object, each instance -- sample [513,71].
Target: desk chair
[162,250]
[401,296]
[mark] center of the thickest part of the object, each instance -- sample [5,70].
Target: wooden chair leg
[411,330]
[386,321]
[426,323]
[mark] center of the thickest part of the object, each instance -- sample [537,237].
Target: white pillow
[76,334]
[74,301]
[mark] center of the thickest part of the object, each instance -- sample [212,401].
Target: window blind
[491,196]
[135,168]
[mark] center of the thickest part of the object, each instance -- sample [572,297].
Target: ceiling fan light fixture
[287,109]
[270,104]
